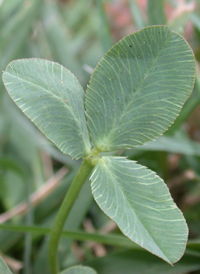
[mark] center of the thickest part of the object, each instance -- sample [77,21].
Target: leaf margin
[97,67]
[166,188]
[88,141]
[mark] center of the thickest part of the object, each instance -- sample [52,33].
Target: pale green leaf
[140,203]
[79,270]
[3,267]
[178,143]
[138,88]
[51,96]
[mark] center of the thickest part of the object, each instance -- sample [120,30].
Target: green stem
[109,239]
[64,211]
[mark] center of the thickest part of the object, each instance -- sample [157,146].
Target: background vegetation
[34,175]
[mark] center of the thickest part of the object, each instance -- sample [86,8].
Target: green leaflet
[3,267]
[140,203]
[53,99]
[79,270]
[138,88]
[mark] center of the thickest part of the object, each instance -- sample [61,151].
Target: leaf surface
[4,268]
[140,203]
[138,88]
[51,96]
[79,270]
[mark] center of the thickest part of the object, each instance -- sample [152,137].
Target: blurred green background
[34,175]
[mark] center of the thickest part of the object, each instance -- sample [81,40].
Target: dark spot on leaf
[130,46]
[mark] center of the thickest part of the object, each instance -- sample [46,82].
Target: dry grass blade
[37,197]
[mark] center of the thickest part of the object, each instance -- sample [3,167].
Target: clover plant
[134,94]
